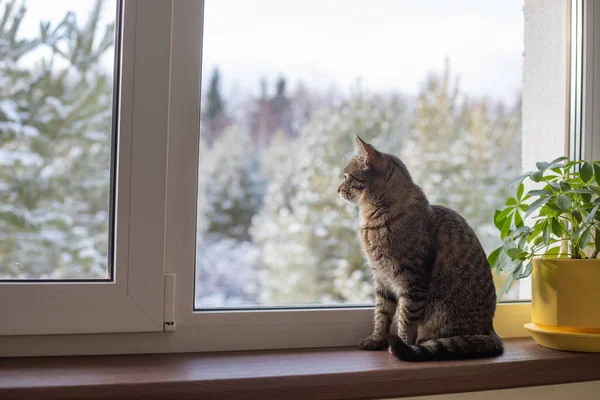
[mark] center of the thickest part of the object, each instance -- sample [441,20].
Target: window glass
[56,131]
[285,87]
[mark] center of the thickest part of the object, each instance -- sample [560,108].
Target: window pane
[56,112]
[287,84]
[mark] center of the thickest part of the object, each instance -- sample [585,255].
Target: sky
[389,45]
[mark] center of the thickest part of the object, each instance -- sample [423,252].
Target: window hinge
[169,310]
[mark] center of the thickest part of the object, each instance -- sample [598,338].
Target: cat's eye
[345,176]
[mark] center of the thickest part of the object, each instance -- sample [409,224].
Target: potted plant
[553,233]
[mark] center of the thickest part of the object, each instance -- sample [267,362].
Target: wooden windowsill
[334,373]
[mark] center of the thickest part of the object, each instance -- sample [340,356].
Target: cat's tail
[450,348]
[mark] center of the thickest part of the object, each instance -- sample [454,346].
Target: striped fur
[450,348]
[429,268]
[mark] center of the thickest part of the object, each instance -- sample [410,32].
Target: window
[81,218]
[277,119]
[56,122]
[205,242]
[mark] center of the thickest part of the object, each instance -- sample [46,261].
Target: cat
[429,269]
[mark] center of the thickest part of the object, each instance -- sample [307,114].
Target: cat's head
[371,172]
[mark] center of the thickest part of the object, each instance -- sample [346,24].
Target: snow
[25,158]
[9,109]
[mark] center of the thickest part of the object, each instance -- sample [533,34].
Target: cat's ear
[363,149]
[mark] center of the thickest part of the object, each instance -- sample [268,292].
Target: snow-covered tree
[307,236]
[463,152]
[55,147]
[234,184]
[231,188]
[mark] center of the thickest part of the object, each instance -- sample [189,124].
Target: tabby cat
[428,266]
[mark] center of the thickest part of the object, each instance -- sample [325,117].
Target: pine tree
[213,117]
[282,108]
[234,185]
[307,237]
[231,193]
[55,143]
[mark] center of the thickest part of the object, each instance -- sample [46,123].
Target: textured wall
[544,80]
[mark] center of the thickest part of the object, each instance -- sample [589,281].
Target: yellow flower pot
[565,304]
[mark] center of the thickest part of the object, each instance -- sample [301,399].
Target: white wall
[545,97]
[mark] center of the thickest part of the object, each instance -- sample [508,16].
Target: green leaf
[597,239]
[512,253]
[577,233]
[536,204]
[518,220]
[505,287]
[511,201]
[572,163]
[592,213]
[558,162]
[542,192]
[522,255]
[508,244]
[541,165]
[577,215]
[556,227]
[586,197]
[522,242]
[497,220]
[493,258]
[564,186]
[518,180]
[522,230]
[520,191]
[585,238]
[552,253]
[527,271]
[517,271]
[597,173]
[555,186]
[537,176]
[586,191]
[546,233]
[587,172]
[553,206]
[504,213]
[505,228]
[514,264]
[563,202]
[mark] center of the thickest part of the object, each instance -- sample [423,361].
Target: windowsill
[334,373]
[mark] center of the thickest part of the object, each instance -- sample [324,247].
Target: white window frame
[162,232]
[133,301]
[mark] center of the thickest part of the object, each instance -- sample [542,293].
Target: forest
[271,229]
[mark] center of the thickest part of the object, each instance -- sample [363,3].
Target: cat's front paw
[373,343]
